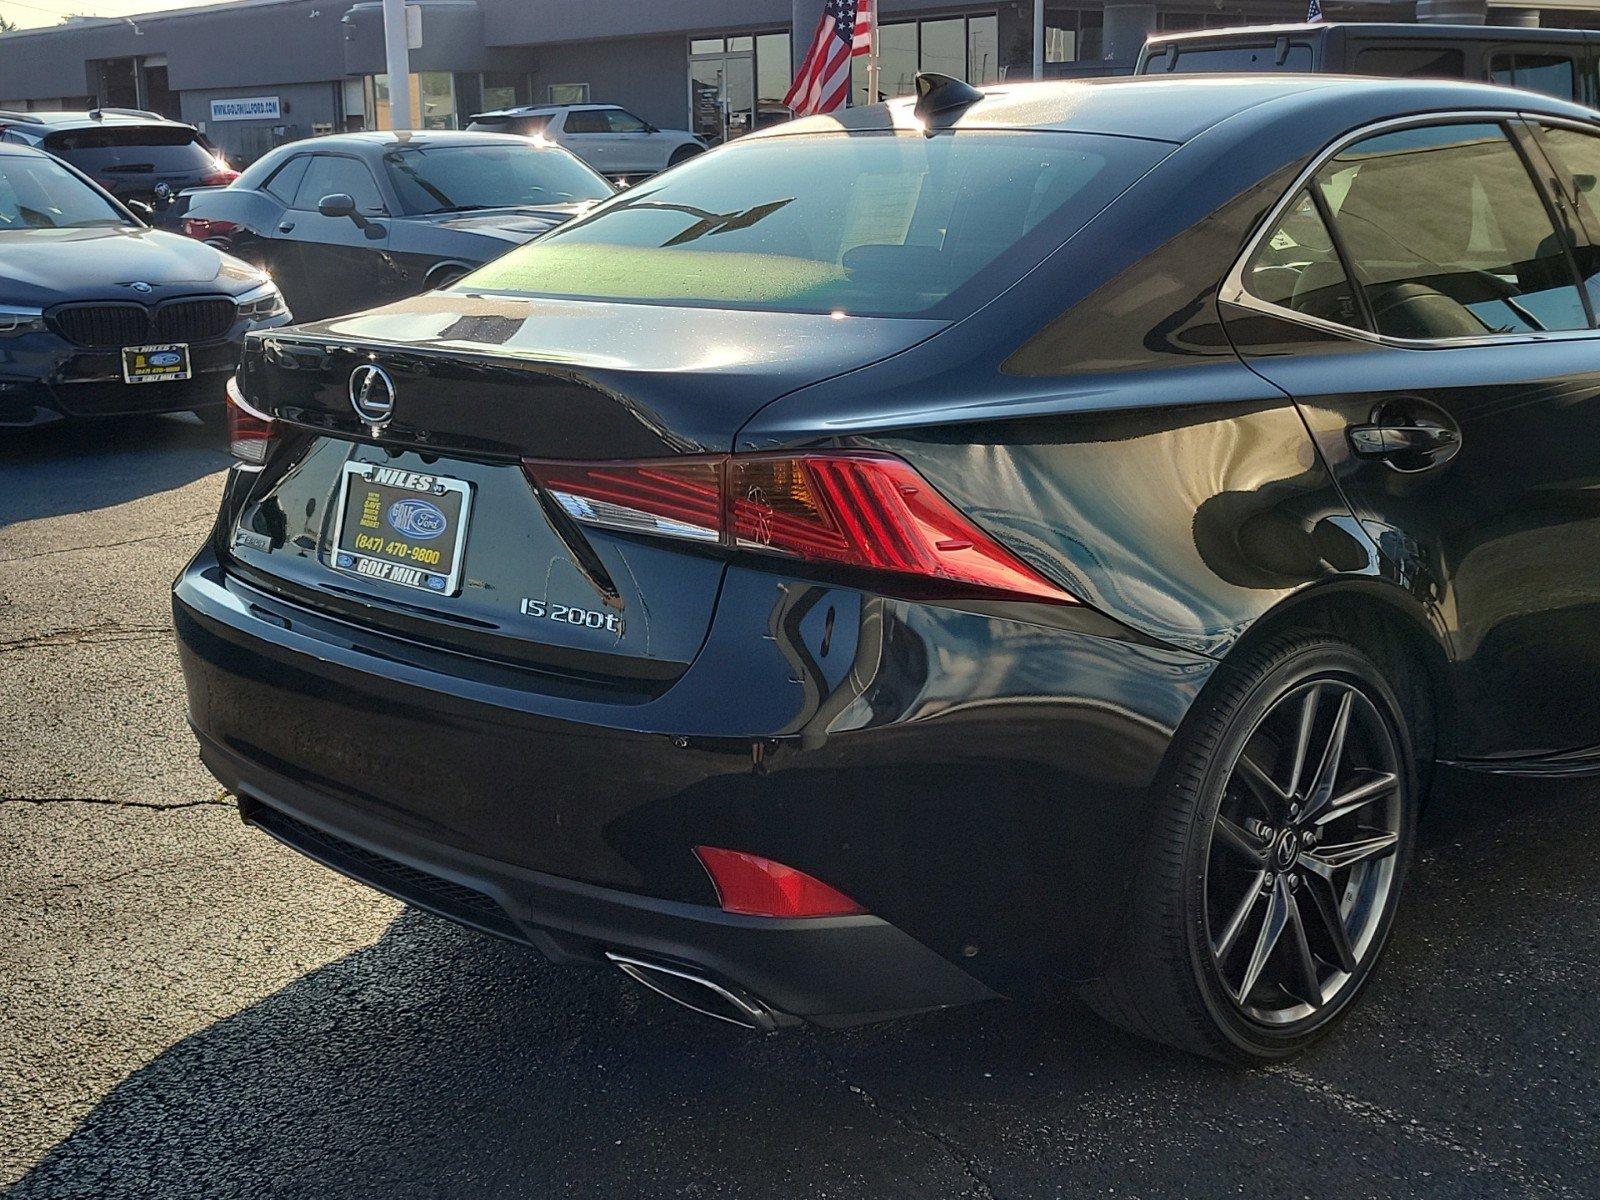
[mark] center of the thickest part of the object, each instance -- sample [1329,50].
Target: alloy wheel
[1301,866]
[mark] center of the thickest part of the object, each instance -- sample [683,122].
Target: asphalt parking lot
[188,1010]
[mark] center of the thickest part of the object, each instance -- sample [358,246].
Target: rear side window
[1447,235]
[1577,157]
[333,174]
[286,179]
[586,121]
[1552,74]
[866,223]
[1297,267]
[133,150]
[1396,62]
[618,121]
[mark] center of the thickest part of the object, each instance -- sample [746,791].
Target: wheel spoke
[1365,792]
[1348,854]
[1303,981]
[1230,933]
[1271,929]
[1237,840]
[1261,785]
[1325,904]
[1322,783]
[1302,741]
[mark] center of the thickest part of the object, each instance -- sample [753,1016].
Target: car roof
[379,141]
[1379,31]
[52,122]
[542,110]
[1176,108]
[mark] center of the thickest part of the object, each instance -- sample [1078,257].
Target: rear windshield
[132,150]
[431,179]
[872,224]
[1207,59]
[520,126]
[39,193]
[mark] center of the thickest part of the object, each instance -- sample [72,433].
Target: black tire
[1170,975]
[683,154]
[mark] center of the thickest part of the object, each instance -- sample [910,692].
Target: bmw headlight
[15,321]
[262,303]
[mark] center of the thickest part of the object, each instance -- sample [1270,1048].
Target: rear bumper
[831,970]
[980,785]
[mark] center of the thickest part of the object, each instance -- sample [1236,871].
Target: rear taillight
[864,511]
[758,887]
[250,431]
[218,233]
[221,177]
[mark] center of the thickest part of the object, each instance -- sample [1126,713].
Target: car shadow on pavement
[72,467]
[436,1062]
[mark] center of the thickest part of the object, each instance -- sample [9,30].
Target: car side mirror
[141,210]
[1584,183]
[337,205]
[649,128]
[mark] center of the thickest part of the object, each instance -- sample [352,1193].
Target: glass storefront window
[773,76]
[505,89]
[966,47]
[433,101]
[737,84]
[1072,34]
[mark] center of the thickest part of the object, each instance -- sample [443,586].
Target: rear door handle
[1382,441]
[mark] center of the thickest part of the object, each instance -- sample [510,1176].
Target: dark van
[1557,62]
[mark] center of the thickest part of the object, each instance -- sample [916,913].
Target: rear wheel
[1287,820]
[684,154]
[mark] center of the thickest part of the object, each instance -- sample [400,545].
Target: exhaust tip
[705,996]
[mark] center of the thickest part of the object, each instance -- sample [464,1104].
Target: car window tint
[333,174]
[39,193]
[586,121]
[623,122]
[430,179]
[133,150]
[1447,235]
[1261,57]
[286,179]
[1420,63]
[1296,267]
[1577,156]
[1551,74]
[869,223]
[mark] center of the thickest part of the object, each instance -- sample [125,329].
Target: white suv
[610,139]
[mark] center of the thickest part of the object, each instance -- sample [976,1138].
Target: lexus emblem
[372,395]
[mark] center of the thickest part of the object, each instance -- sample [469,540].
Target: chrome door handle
[1381,441]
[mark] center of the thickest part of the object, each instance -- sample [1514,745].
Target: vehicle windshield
[871,224]
[39,193]
[434,179]
[133,150]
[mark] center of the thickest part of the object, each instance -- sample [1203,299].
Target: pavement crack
[87,635]
[1530,1183]
[187,529]
[957,1154]
[219,800]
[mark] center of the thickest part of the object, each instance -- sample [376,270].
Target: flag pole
[872,51]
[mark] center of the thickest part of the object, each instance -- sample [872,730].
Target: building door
[722,84]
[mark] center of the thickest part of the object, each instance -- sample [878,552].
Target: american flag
[1314,13]
[823,82]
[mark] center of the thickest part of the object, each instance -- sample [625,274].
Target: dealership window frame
[891,42]
[761,48]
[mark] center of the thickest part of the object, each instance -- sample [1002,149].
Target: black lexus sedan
[361,219]
[982,545]
[101,315]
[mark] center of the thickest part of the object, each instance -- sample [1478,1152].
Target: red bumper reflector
[759,887]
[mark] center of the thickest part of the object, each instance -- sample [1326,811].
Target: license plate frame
[137,367]
[365,562]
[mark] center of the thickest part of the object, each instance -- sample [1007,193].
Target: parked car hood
[518,225]
[48,266]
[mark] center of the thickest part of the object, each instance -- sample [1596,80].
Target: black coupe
[971,546]
[355,220]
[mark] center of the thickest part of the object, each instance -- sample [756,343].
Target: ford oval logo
[372,394]
[165,358]
[418,519]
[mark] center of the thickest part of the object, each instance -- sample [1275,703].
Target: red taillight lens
[759,887]
[866,511]
[203,230]
[249,430]
[219,178]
